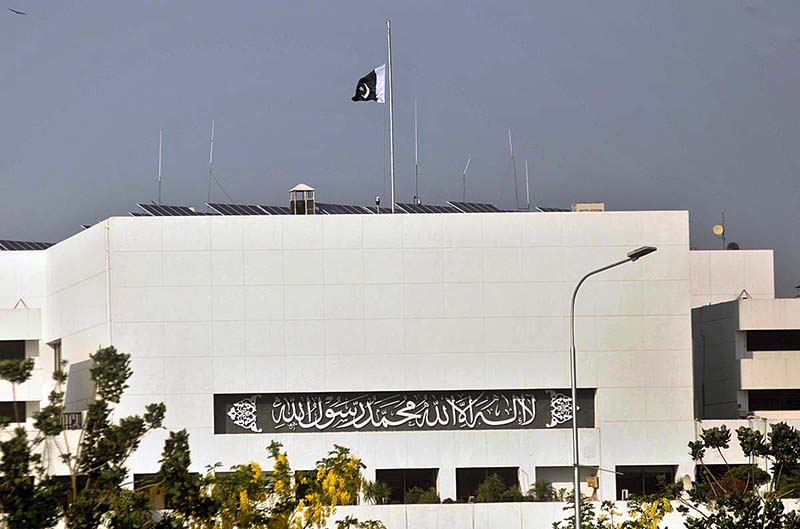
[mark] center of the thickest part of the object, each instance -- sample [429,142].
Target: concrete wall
[483,515]
[724,369]
[329,303]
[768,314]
[721,275]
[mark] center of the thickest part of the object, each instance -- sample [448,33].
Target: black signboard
[400,411]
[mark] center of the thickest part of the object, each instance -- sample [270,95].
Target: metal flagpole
[513,169]
[417,198]
[159,165]
[391,116]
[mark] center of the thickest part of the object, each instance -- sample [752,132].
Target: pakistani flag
[371,86]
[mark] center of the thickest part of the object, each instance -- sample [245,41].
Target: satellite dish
[718,230]
[732,246]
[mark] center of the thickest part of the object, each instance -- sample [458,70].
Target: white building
[435,346]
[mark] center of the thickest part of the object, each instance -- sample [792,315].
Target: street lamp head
[641,252]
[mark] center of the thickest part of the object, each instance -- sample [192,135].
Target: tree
[642,514]
[96,494]
[27,495]
[744,496]
[248,498]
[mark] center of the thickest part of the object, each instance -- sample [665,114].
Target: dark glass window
[302,479]
[469,479]
[639,481]
[402,480]
[12,349]
[13,410]
[777,340]
[773,399]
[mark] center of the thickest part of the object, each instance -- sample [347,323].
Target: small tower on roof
[302,200]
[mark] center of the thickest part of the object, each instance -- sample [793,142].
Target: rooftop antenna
[719,230]
[417,198]
[211,175]
[210,164]
[160,134]
[513,169]
[464,181]
[527,187]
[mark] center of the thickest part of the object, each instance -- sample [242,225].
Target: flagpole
[417,199]
[160,134]
[391,113]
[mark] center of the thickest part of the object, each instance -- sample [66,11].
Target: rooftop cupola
[301,200]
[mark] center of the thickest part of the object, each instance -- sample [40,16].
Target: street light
[632,256]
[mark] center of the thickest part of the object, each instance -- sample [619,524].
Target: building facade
[435,346]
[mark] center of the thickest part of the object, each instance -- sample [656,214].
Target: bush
[420,495]
[377,492]
[542,491]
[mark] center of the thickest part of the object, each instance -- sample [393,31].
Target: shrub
[420,495]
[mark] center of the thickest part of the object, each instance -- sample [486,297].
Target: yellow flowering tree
[249,498]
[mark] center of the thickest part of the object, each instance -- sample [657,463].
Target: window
[12,349]
[778,340]
[638,481]
[402,480]
[56,355]
[469,479]
[13,410]
[773,399]
[302,478]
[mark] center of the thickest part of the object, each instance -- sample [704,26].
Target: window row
[481,484]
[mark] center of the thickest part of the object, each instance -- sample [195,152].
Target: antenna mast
[513,169]
[464,181]
[527,187]
[160,134]
[210,164]
[417,199]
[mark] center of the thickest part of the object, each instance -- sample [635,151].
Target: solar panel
[475,207]
[236,209]
[161,210]
[276,210]
[424,208]
[340,209]
[553,210]
[16,246]
[383,210]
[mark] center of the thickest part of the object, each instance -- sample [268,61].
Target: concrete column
[447,483]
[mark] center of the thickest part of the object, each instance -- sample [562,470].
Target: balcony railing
[72,420]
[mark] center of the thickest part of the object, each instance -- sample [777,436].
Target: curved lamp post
[632,256]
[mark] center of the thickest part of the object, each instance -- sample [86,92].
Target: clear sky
[642,105]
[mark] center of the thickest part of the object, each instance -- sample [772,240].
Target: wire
[211,172]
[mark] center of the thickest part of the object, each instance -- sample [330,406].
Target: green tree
[27,494]
[97,493]
[744,496]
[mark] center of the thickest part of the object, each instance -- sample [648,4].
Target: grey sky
[644,105]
